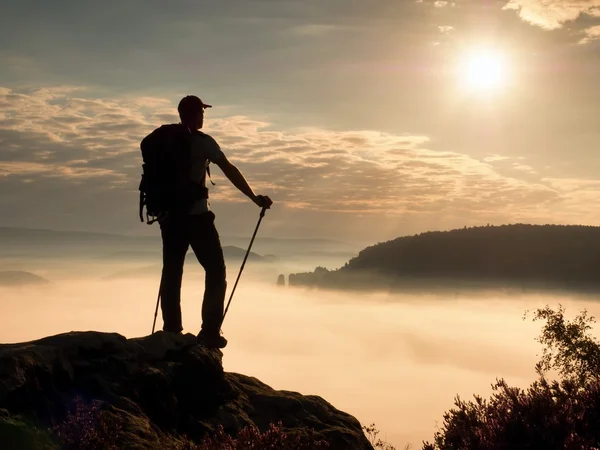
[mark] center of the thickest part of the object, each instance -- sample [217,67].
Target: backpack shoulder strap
[204,135]
[156,137]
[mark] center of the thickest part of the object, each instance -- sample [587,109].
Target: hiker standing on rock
[173,189]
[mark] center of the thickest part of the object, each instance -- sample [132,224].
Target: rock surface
[156,385]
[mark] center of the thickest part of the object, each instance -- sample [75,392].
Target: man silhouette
[193,225]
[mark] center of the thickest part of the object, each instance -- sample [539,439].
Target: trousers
[179,232]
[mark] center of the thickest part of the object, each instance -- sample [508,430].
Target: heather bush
[88,427]
[251,438]
[563,413]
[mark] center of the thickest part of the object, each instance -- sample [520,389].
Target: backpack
[165,186]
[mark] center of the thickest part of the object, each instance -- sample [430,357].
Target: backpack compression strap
[208,172]
[198,132]
[141,206]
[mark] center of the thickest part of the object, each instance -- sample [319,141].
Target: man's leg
[175,245]
[206,244]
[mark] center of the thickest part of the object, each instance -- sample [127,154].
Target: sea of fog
[391,359]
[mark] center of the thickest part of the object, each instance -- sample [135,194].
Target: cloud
[315,30]
[524,168]
[591,34]
[445,29]
[579,198]
[79,146]
[495,158]
[553,14]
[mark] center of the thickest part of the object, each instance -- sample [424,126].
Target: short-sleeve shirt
[204,149]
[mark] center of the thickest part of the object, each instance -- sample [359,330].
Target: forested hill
[563,255]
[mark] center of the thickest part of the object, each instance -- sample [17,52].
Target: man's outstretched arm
[237,179]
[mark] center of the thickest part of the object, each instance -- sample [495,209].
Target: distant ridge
[12,232]
[23,232]
[21,278]
[231,254]
[549,256]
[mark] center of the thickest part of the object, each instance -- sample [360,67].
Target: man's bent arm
[236,177]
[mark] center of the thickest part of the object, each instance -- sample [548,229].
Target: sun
[483,70]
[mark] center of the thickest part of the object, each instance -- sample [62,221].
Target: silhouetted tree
[564,256]
[550,414]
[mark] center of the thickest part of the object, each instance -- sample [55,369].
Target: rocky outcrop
[281,280]
[315,278]
[152,386]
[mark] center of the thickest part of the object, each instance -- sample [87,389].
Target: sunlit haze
[397,360]
[364,122]
[484,70]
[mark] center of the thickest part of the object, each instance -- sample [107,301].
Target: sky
[363,121]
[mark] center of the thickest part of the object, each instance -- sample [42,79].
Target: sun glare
[483,71]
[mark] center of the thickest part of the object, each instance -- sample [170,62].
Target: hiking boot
[211,340]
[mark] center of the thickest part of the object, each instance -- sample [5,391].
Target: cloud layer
[404,358]
[66,153]
[553,14]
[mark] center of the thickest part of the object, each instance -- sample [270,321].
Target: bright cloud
[552,14]
[591,34]
[60,138]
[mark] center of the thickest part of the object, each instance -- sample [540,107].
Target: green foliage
[568,346]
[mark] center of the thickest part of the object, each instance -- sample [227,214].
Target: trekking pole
[157,303]
[262,214]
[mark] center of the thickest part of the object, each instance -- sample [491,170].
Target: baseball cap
[191,104]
